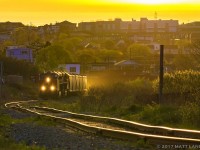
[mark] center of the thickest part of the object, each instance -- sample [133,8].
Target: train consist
[60,84]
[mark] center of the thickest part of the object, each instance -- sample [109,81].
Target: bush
[159,115]
[180,86]
[190,114]
[187,81]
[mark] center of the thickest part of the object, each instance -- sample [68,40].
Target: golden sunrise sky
[40,12]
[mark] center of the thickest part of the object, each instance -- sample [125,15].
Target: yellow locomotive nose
[48,79]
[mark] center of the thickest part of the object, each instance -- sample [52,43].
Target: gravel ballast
[56,138]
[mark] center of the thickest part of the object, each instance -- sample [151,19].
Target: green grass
[8,144]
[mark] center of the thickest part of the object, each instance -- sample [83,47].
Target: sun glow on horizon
[41,12]
[152,1]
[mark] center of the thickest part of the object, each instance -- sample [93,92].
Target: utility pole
[161,74]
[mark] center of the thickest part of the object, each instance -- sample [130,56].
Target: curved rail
[17,103]
[134,125]
[127,135]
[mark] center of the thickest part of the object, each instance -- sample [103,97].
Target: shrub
[180,86]
[180,82]
[190,114]
[158,115]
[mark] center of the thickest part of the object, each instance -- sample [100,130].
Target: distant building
[21,53]
[142,38]
[100,26]
[96,67]
[159,26]
[66,26]
[126,65]
[119,26]
[190,31]
[71,68]
[4,37]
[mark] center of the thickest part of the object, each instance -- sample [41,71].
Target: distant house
[126,65]
[20,53]
[64,27]
[4,37]
[92,46]
[71,68]
[53,29]
[95,67]
[191,31]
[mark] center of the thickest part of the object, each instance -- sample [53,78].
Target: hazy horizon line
[31,23]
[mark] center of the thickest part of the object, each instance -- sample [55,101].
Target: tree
[3,46]
[50,57]
[108,55]
[68,43]
[184,62]
[139,53]
[25,36]
[109,44]
[86,56]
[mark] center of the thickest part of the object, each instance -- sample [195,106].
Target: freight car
[60,84]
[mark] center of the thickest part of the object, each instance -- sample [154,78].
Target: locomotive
[61,83]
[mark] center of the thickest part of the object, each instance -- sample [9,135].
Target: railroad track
[113,127]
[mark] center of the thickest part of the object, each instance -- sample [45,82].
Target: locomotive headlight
[43,88]
[52,88]
[48,79]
